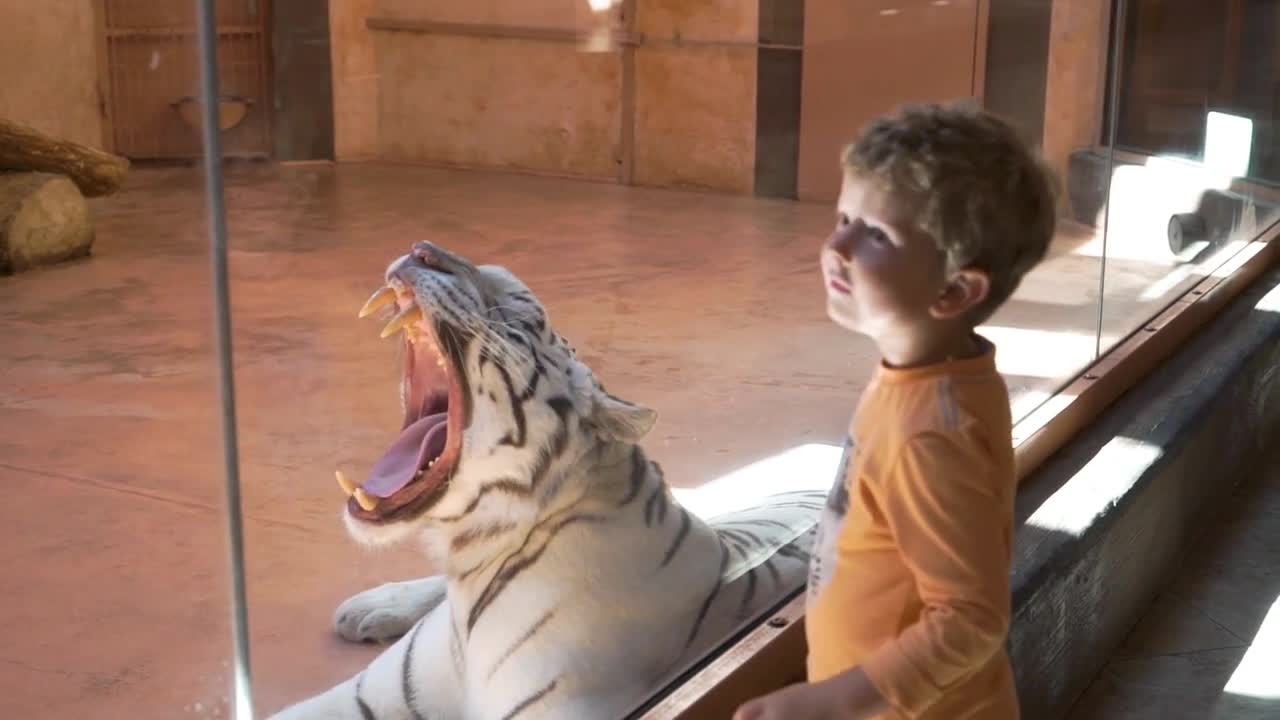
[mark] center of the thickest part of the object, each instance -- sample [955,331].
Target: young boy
[942,212]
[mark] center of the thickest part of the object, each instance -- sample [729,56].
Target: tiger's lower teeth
[365,500]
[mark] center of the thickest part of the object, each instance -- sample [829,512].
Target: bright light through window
[1228,143]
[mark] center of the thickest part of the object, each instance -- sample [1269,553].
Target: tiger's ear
[618,419]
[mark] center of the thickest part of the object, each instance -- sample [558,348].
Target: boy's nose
[841,243]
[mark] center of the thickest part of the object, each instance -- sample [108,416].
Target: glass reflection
[1195,157]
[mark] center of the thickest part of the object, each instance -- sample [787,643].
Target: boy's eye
[842,221]
[877,236]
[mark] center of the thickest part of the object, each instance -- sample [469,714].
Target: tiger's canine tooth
[347,486]
[365,500]
[385,294]
[408,316]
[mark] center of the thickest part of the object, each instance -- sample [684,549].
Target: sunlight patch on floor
[1047,354]
[805,467]
[1258,674]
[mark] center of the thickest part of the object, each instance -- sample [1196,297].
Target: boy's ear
[966,289]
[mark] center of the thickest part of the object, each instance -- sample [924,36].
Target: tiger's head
[496,403]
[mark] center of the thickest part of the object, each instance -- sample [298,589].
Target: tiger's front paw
[387,611]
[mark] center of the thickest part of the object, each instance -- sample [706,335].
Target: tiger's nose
[425,252]
[429,256]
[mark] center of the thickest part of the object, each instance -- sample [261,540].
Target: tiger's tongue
[421,441]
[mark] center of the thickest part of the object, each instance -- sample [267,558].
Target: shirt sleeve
[950,515]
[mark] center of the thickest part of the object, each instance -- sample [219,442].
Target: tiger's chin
[414,472]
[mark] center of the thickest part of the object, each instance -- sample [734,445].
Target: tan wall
[860,63]
[696,106]
[49,68]
[544,105]
[1075,83]
[355,80]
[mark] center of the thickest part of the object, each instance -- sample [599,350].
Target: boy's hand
[790,703]
[848,696]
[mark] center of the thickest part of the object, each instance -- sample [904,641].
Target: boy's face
[882,273]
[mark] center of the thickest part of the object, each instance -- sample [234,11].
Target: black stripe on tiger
[738,549]
[791,551]
[528,635]
[711,596]
[656,505]
[470,535]
[524,297]
[729,536]
[681,534]
[366,712]
[750,592]
[637,476]
[771,523]
[750,537]
[536,357]
[529,328]
[410,699]
[734,535]
[617,399]
[773,572]
[455,648]
[529,701]
[459,303]
[517,411]
[804,505]
[545,358]
[562,407]
[508,486]
[483,564]
[517,562]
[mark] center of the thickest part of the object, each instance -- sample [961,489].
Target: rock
[44,219]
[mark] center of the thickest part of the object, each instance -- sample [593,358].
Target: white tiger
[573,582]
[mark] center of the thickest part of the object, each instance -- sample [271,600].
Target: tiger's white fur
[574,583]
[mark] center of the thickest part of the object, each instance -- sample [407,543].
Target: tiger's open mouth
[414,472]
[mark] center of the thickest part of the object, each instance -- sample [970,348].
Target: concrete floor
[706,307]
[1209,648]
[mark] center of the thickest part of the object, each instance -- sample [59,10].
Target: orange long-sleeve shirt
[911,572]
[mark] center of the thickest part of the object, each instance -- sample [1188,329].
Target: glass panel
[661,180]
[1197,164]
[1045,64]
[116,592]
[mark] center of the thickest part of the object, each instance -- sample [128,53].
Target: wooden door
[865,57]
[153,77]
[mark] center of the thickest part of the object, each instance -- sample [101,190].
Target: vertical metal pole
[205,21]
[1116,55]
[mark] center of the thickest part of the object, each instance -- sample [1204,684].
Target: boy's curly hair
[985,198]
